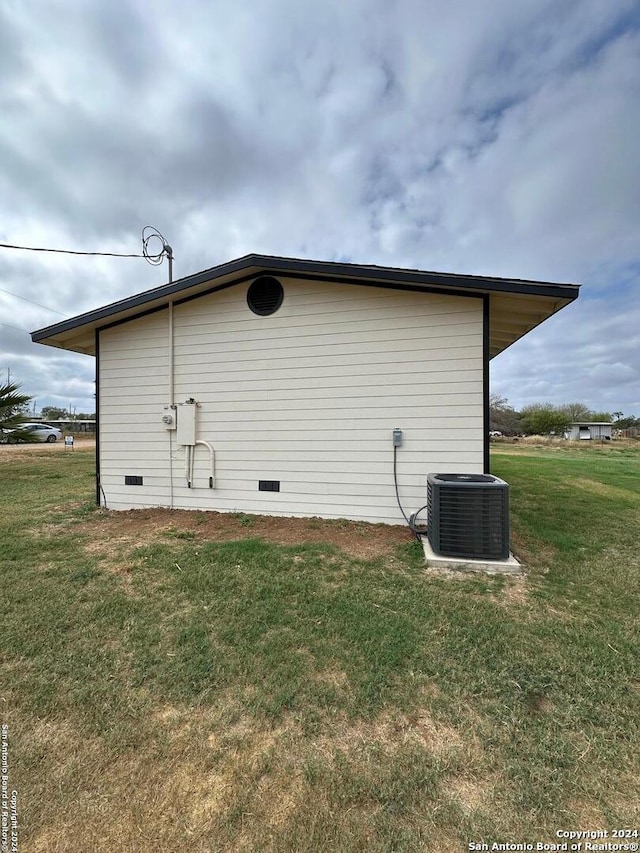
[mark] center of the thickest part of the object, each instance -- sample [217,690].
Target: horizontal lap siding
[133,367]
[308,396]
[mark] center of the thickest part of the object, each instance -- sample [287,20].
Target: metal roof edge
[274,263]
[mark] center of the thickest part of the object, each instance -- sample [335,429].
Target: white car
[41,432]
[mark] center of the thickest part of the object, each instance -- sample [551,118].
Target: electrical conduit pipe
[189,454]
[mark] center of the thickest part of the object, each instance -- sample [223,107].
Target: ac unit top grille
[464,479]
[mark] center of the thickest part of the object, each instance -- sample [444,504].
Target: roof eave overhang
[516,306]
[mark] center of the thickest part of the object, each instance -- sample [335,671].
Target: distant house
[273,385]
[585,430]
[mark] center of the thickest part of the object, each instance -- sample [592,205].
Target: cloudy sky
[495,138]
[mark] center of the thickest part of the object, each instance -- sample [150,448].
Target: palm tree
[12,405]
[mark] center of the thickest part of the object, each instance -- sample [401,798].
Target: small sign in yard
[68,441]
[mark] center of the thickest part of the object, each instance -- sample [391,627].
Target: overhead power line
[68,251]
[153,257]
[17,328]
[39,304]
[148,234]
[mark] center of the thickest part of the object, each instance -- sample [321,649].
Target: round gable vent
[265,295]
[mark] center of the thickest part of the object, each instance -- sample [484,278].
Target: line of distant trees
[55,413]
[545,418]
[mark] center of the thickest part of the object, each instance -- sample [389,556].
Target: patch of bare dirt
[110,530]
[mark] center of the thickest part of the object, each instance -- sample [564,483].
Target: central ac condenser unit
[468,516]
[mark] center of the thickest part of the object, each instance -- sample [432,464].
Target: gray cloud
[493,138]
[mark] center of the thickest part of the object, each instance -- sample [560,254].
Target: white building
[598,430]
[272,385]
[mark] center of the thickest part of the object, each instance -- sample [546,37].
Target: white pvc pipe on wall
[171,403]
[212,454]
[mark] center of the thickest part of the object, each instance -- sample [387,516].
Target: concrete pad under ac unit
[510,566]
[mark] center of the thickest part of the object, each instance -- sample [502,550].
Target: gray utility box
[468,516]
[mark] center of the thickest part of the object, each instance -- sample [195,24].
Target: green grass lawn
[165,691]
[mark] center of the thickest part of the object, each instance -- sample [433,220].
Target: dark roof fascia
[421,277]
[164,292]
[356,273]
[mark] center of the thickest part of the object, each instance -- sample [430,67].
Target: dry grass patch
[535,556]
[391,731]
[514,593]
[473,793]
[182,786]
[333,676]
[245,786]
[607,490]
